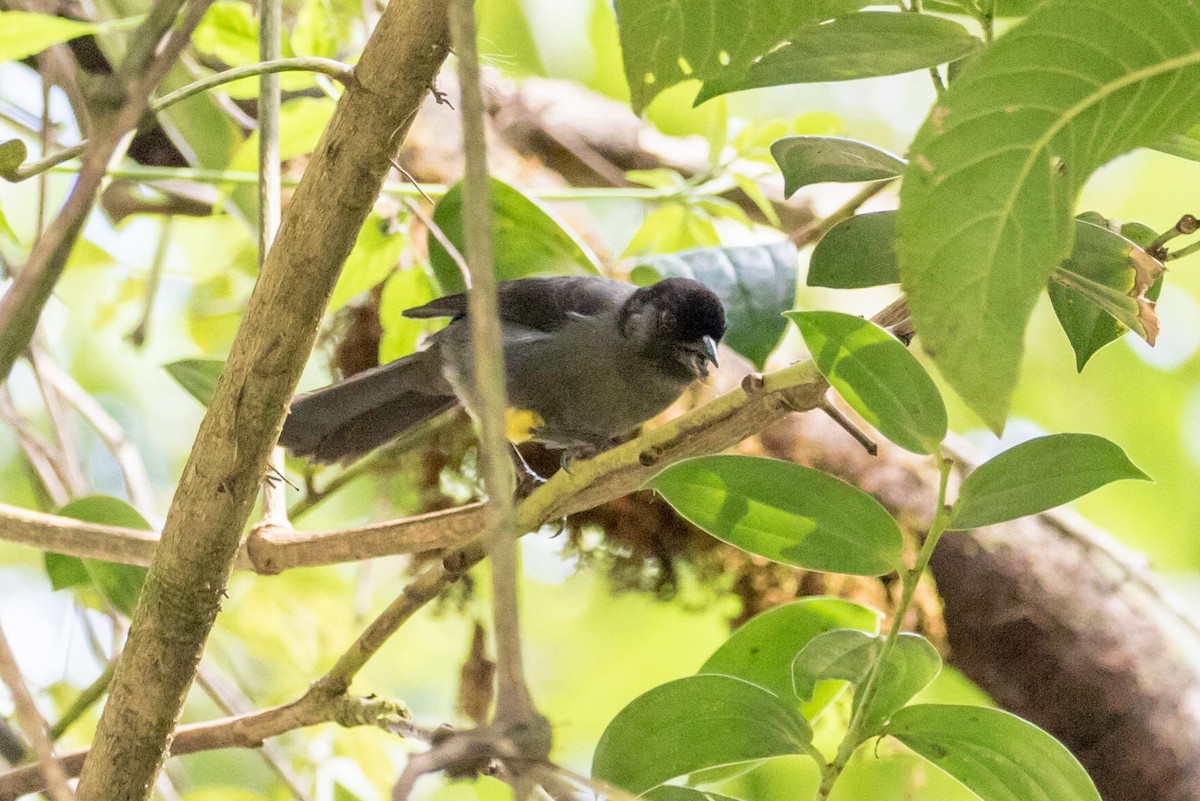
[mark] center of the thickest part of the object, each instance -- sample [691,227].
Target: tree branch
[190,568]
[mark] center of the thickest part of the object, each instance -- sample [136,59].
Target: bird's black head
[678,319]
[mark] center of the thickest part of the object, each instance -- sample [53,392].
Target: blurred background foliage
[181,284]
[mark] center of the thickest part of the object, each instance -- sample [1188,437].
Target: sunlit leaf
[405,289]
[228,31]
[761,651]
[987,199]
[24,33]
[808,160]
[863,45]
[785,512]
[997,756]
[375,254]
[664,42]
[848,654]
[756,285]
[673,792]
[671,228]
[197,376]
[877,376]
[692,724]
[1037,475]
[528,240]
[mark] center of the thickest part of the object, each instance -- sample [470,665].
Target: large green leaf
[693,724]
[862,45]
[229,31]
[1038,475]
[847,655]
[527,239]
[1183,145]
[1002,8]
[805,160]
[664,42]
[762,650]
[1105,289]
[756,284]
[858,252]
[877,376]
[986,205]
[997,756]
[785,512]
[119,584]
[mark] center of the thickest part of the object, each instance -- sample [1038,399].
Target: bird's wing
[542,304]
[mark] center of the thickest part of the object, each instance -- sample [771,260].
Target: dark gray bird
[587,360]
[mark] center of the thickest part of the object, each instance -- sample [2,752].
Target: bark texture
[190,567]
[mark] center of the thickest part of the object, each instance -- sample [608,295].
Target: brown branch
[190,568]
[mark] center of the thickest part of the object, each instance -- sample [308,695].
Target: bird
[587,361]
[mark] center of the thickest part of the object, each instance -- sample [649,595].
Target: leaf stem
[857,732]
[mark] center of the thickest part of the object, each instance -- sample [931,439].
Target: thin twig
[514,703]
[32,723]
[813,233]
[82,703]
[110,432]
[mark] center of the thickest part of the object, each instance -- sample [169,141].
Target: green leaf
[5,228]
[528,240]
[987,200]
[761,651]
[1105,290]
[673,792]
[692,724]
[376,253]
[13,153]
[65,571]
[228,31]
[664,42]
[1182,145]
[997,756]
[1003,8]
[756,284]
[877,376]
[847,655]
[1038,475]
[808,160]
[197,376]
[23,34]
[862,45]
[119,584]
[405,289]
[785,512]
[671,228]
[858,252]
[316,30]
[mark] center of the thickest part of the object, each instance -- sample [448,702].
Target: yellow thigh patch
[521,424]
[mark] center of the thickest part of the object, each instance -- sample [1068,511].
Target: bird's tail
[348,419]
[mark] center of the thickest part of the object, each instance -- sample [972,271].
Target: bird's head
[678,320]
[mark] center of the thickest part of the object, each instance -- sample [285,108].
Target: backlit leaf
[987,200]
[1038,475]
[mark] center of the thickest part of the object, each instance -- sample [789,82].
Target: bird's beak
[700,357]
[710,351]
